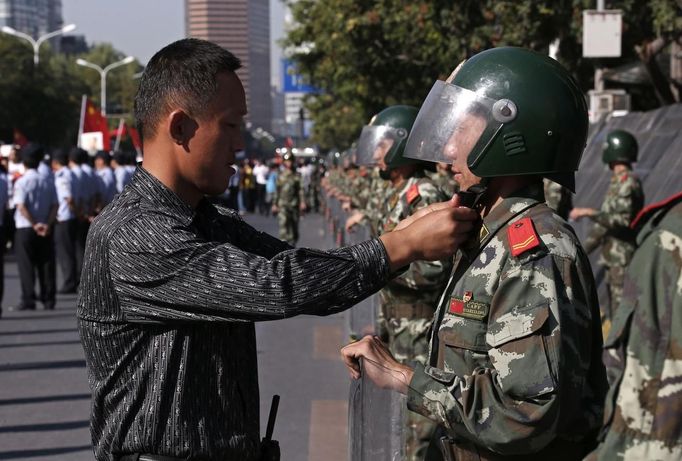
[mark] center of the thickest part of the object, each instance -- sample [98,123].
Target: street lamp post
[103,76]
[36,43]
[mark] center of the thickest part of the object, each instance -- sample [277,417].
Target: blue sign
[292,82]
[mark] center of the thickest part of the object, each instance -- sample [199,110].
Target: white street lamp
[36,43]
[103,76]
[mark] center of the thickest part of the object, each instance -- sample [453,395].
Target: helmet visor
[451,123]
[376,141]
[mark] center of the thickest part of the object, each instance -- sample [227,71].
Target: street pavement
[44,395]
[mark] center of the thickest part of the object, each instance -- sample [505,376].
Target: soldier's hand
[303,207]
[378,364]
[577,213]
[353,220]
[274,209]
[345,206]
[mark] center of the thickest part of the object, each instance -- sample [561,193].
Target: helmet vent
[514,143]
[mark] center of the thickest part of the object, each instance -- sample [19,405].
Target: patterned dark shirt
[166,308]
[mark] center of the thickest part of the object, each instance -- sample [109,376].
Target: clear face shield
[453,122]
[376,141]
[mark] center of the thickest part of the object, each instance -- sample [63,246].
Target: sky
[142,27]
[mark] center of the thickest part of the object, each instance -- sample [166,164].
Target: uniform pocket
[462,346]
[518,352]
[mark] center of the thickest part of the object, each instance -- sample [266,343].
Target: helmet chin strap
[471,198]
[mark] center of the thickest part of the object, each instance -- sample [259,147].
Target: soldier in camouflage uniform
[313,195]
[624,199]
[514,370]
[643,407]
[288,200]
[444,179]
[408,301]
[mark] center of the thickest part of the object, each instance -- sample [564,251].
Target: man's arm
[181,276]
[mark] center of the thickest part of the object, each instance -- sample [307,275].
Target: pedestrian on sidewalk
[36,201]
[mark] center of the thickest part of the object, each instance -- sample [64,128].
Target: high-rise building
[32,17]
[243,28]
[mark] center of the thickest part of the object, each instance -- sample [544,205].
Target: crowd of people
[50,197]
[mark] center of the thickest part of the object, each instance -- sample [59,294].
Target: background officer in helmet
[289,198]
[514,369]
[624,199]
[408,301]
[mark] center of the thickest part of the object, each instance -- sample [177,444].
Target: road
[44,395]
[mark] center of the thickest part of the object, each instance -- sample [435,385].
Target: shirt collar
[160,196]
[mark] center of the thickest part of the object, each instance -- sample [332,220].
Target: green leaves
[368,54]
[43,101]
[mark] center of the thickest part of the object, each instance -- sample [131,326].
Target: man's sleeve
[512,406]
[177,275]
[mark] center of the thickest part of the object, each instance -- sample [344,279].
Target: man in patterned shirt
[172,284]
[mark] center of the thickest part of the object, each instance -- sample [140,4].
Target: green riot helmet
[620,146]
[385,137]
[510,111]
[287,156]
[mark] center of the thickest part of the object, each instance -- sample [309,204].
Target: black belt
[147,457]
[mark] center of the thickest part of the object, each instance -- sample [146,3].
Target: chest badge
[468,308]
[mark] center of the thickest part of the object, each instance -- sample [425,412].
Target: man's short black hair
[32,154]
[78,156]
[61,156]
[183,73]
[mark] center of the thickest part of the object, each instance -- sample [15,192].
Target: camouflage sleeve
[425,274]
[594,238]
[618,208]
[510,403]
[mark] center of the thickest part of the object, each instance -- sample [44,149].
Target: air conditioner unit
[602,103]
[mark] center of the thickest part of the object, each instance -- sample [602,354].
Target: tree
[365,55]
[44,101]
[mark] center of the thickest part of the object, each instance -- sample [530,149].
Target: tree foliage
[367,54]
[43,102]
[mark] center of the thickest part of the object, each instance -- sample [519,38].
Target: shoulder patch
[412,194]
[522,236]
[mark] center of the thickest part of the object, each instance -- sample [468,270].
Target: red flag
[19,138]
[135,137]
[95,121]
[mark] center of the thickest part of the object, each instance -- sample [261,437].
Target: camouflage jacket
[289,192]
[514,364]
[445,182]
[380,189]
[558,198]
[643,353]
[423,281]
[359,191]
[623,200]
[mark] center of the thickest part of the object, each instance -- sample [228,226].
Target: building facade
[243,28]
[32,17]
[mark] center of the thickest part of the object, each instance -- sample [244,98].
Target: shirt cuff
[416,401]
[373,265]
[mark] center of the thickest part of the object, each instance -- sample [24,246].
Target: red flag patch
[456,306]
[412,194]
[522,236]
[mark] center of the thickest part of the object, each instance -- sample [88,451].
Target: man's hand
[41,229]
[353,220]
[274,209]
[379,365]
[435,235]
[577,213]
[452,203]
[345,206]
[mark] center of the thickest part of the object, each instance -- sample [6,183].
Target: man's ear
[181,128]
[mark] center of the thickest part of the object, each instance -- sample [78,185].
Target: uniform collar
[161,197]
[511,206]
